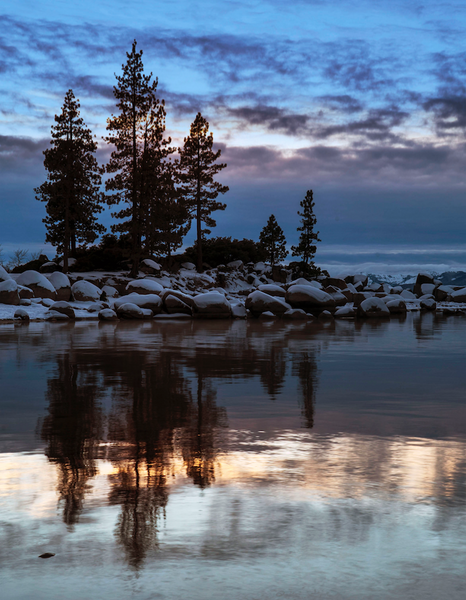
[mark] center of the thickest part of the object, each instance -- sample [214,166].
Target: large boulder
[272,290]
[211,305]
[144,286]
[150,267]
[345,312]
[428,303]
[21,315]
[338,295]
[309,298]
[296,314]
[38,283]
[396,305]
[107,314]
[62,285]
[146,301]
[407,295]
[129,310]
[260,302]
[173,305]
[238,311]
[373,307]
[335,282]
[9,293]
[49,267]
[442,292]
[85,291]
[25,293]
[459,295]
[422,279]
[64,308]
[189,300]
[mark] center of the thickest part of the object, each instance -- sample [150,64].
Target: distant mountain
[447,278]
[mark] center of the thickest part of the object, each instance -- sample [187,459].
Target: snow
[85,290]
[152,264]
[29,278]
[309,293]
[59,280]
[211,300]
[189,266]
[3,274]
[9,285]
[145,284]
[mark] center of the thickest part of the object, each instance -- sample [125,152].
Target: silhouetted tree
[306,248]
[71,192]
[198,167]
[137,134]
[273,240]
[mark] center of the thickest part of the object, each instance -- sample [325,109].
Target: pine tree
[71,192]
[132,132]
[306,248]
[197,168]
[273,240]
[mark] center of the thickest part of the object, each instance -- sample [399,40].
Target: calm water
[233,460]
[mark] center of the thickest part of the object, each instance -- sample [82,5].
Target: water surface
[233,459]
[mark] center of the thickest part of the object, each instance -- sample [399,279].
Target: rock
[150,267]
[260,267]
[428,303]
[144,286]
[421,279]
[361,279]
[46,555]
[308,298]
[174,305]
[396,306]
[49,267]
[85,291]
[54,315]
[25,302]
[407,295]
[147,301]
[25,292]
[9,293]
[359,297]
[427,288]
[336,282]
[238,311]
[296,314]
[397,289]
[325,315]
[302,281]
[62,285]
[272,290]
[189,266]
[235,264]
[337,295]
[279,274]
[97,307]
[189,300]
[47,302]
[39,284]
[129,310]
[260,302]
[4,275]
[110,291]
[64,308]
[345,312]
[211,305]
[459,295]
[267,315]
[107,314]
[442,292]
[373,307]
[21,314]
[374,287]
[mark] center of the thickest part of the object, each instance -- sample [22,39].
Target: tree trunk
[134,225]
[198,213]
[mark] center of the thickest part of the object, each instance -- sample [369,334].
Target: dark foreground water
[233,460]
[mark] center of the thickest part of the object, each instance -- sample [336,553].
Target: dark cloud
[344,104]
[272,117]
[377,125]
[449,113]
[15,151]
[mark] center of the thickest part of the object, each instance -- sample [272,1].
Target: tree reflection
[72,430]
[305,367]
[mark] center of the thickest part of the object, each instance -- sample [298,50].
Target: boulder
[421,279]
[38,283]
[442,292]
[345,312]
[146,301]
[62,285]
[428,303]
[407,295]
[21,314]
[97,307]
[189,266]
[459,295]
[54,315]
[325,315]
[25,302]
[373,307]
[309,298]
[47,302]
[296,314]
[359,297]
[144,286]
[211,305]
[189,300]
[4,275]
[85,291]
[267,316]
[302,281]
[49,267]
[110,291]
[374,287]
[25,292]
[64,308]
[235,264]
[107,314]
[360,279]
[272,290]
[129,310]
[238,311]
[427,288]
[174,305]
[335,282]
[337,295]
[9,293]
[150,267]
[260,302]
[396,306]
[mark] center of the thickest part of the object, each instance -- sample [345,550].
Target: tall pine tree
[197,168]
[71,192]
[273,240]
[306,248]
[137,134]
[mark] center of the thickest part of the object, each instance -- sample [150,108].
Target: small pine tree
[71,192]
[306,248]
[273,240]
[197,168]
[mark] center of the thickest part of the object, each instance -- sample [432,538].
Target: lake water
[233,460]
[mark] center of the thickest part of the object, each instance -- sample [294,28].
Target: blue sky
[364,102]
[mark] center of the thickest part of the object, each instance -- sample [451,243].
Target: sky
[364,102]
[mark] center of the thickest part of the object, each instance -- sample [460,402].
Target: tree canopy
[273,240]
[306,248]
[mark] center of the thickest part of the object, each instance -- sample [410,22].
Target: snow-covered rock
[49,267]
[308,298]
[147,301]
[62,285]
[54,315]
[427,288]
[189,266]
[260,302]
[107,314]
[150,266]
[235,264]
[373,307]
[396,305]
[238,311]
[211,305]
[296,314]
[47,302]
[96,307]
[325,315]
[9,293]
[272,290]
[427,303]
[64,308]
[21,314]
[174,305]
[85,291]
[144,286]
[421,280]
[110,291]
[345,312]
[183,297]
[407,295]
[267,316]
[25,292]
[128,310]
[4,275]
[459,295]
[38,283]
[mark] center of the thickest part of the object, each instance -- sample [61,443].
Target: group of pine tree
[157,196]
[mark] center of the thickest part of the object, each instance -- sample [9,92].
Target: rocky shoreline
[229,291]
